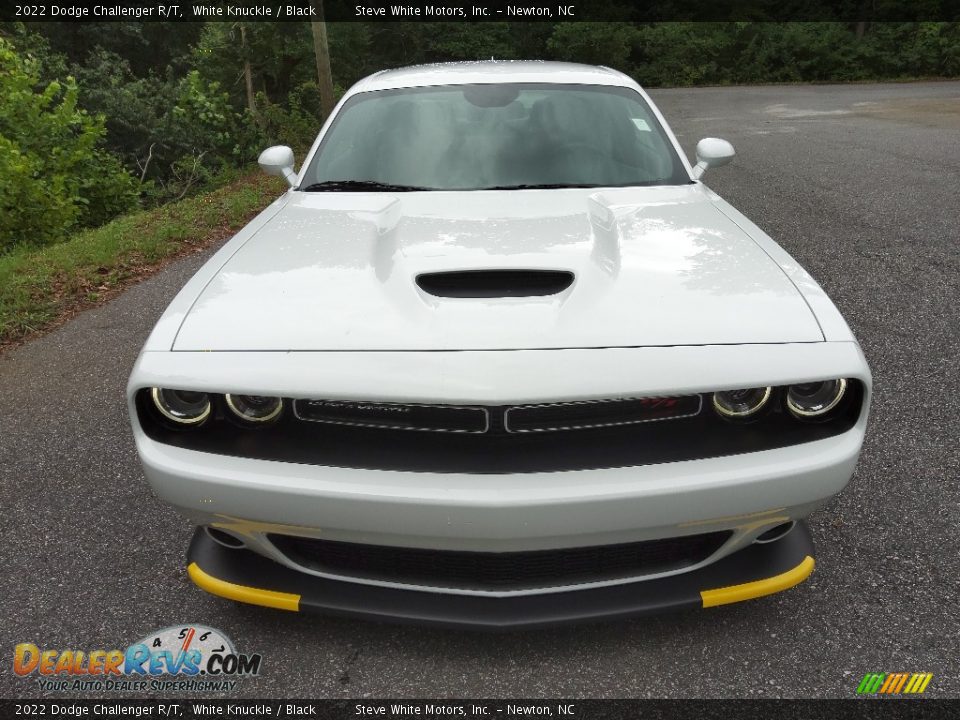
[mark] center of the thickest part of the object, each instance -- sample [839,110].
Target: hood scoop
[495,283]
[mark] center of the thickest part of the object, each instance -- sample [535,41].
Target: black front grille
[547,417]
[588,414]
[499,571]
[395,416]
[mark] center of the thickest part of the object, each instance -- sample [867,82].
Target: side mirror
[278,160]
[711,153]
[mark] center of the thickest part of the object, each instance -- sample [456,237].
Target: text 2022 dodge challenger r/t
[498,358]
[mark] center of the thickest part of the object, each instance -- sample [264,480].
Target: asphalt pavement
[860,183]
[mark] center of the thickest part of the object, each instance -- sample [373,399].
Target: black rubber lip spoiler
[495,283]
[756,570]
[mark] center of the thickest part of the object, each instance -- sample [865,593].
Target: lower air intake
[499,571]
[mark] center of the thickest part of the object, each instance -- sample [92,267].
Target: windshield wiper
[544,186]
[358,186]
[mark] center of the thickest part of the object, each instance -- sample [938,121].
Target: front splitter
[755,571]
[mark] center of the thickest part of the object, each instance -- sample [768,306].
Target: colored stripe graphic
[918,682]
[894,683]
[871,683]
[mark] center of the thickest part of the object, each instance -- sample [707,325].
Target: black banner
[195,709]
[481,10]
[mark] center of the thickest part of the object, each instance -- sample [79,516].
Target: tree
[53,174]
[321,50]
[596,43]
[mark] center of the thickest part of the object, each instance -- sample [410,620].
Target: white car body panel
[164,332]
[502,377]
[503,513]
[653,266]
[832,324]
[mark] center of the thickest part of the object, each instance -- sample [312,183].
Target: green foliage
[136,108]
[745,52]
[53,177]
[39,284]
[460,41]
[34,212]
[296,124]
[280,57]
[148,46]
[683,53]
[351,51]
[595,43]
[200,137]
[176,136]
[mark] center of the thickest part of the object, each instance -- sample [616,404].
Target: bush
[176,136]
[53,176]
[296,125]
[34,213]
[595,43]
[200,138]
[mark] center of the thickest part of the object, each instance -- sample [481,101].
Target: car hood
[651,267]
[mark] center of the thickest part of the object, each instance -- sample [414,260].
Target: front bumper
[743,494]
[755,571]
[746,494]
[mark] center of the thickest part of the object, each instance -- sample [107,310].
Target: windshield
[477,137]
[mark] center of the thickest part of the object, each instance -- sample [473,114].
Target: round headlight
[254,408]
[815,399]
[737,404]
[184,407]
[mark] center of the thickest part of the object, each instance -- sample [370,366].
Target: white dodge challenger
[498,358]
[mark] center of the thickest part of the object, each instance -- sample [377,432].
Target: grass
[41,287]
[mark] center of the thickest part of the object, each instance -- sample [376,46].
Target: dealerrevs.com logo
[187,658]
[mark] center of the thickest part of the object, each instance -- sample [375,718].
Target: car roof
[492,71]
